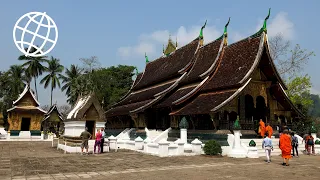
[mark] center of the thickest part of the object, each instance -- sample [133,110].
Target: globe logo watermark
[35,34]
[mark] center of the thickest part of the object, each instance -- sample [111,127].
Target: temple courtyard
[38,160]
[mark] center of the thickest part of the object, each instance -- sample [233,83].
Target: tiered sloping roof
[27,91]
[81,106]
[52,109]
[210,77]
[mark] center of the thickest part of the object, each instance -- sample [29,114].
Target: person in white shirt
[267,145]
[102,140]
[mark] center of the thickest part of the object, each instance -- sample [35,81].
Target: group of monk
[284,142]
[263,129]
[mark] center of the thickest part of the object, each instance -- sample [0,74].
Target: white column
[138,143]
[113,143]
[237,150]
[163,148]
[180,144]
[314,135]
[8,135]
[236,142]
[196,146]
[146,141]
[183,135]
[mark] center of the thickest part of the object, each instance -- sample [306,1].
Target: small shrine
[53,121]
[25,116]
[87,112]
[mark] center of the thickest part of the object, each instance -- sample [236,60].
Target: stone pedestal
[113,143]
[138,143]
[163,148]
[74,128]
[180,144]
[183,135]
[196,146]
[237,150]
[253,152]
[3,133]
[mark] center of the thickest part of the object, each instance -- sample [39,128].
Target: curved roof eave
[231,97]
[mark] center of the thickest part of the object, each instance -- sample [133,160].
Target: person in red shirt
[97,142]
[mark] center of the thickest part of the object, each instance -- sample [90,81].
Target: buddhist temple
[53,120]
[209,84]
[26,114]
[87,112]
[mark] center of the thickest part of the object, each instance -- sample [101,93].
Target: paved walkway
[38,160]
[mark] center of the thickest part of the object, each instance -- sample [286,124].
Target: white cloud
[150,42]
[279,24]
[138,50]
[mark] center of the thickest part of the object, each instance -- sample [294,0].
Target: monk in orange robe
[262,128]
[285,146]
[269,130]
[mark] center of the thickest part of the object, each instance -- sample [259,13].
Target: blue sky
[119,32]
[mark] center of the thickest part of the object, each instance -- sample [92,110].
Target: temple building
[26,114]
[87,112]
[210,85]
[53,120]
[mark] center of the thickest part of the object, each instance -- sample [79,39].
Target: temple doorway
[90,125]
[25,124]
[261,109]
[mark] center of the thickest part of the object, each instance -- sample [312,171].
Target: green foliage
[299,92]
[109,84]
[252,143]
[212,147]
[314,110]
[317,142]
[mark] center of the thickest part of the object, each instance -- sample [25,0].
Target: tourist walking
[262,128]
[85,136]
[295,144]
[305,143]
[98,141]
[267,146]
[285,146]
[269,130]
[310,143]
[102,139]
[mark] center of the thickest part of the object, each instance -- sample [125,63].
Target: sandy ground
[38,160]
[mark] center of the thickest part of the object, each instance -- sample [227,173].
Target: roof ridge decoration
[225,33]
[201,34]
[137,72]
[147,59]
[263,28]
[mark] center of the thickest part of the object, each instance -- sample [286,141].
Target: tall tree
[54,70]
[68,79]
[34,67]
[17,78]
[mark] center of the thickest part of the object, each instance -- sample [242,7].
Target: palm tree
[33,67]
[17,78]
[54,69]
[69,79]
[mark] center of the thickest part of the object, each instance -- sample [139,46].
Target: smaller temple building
[87,112]
[53,121]
[26,114]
